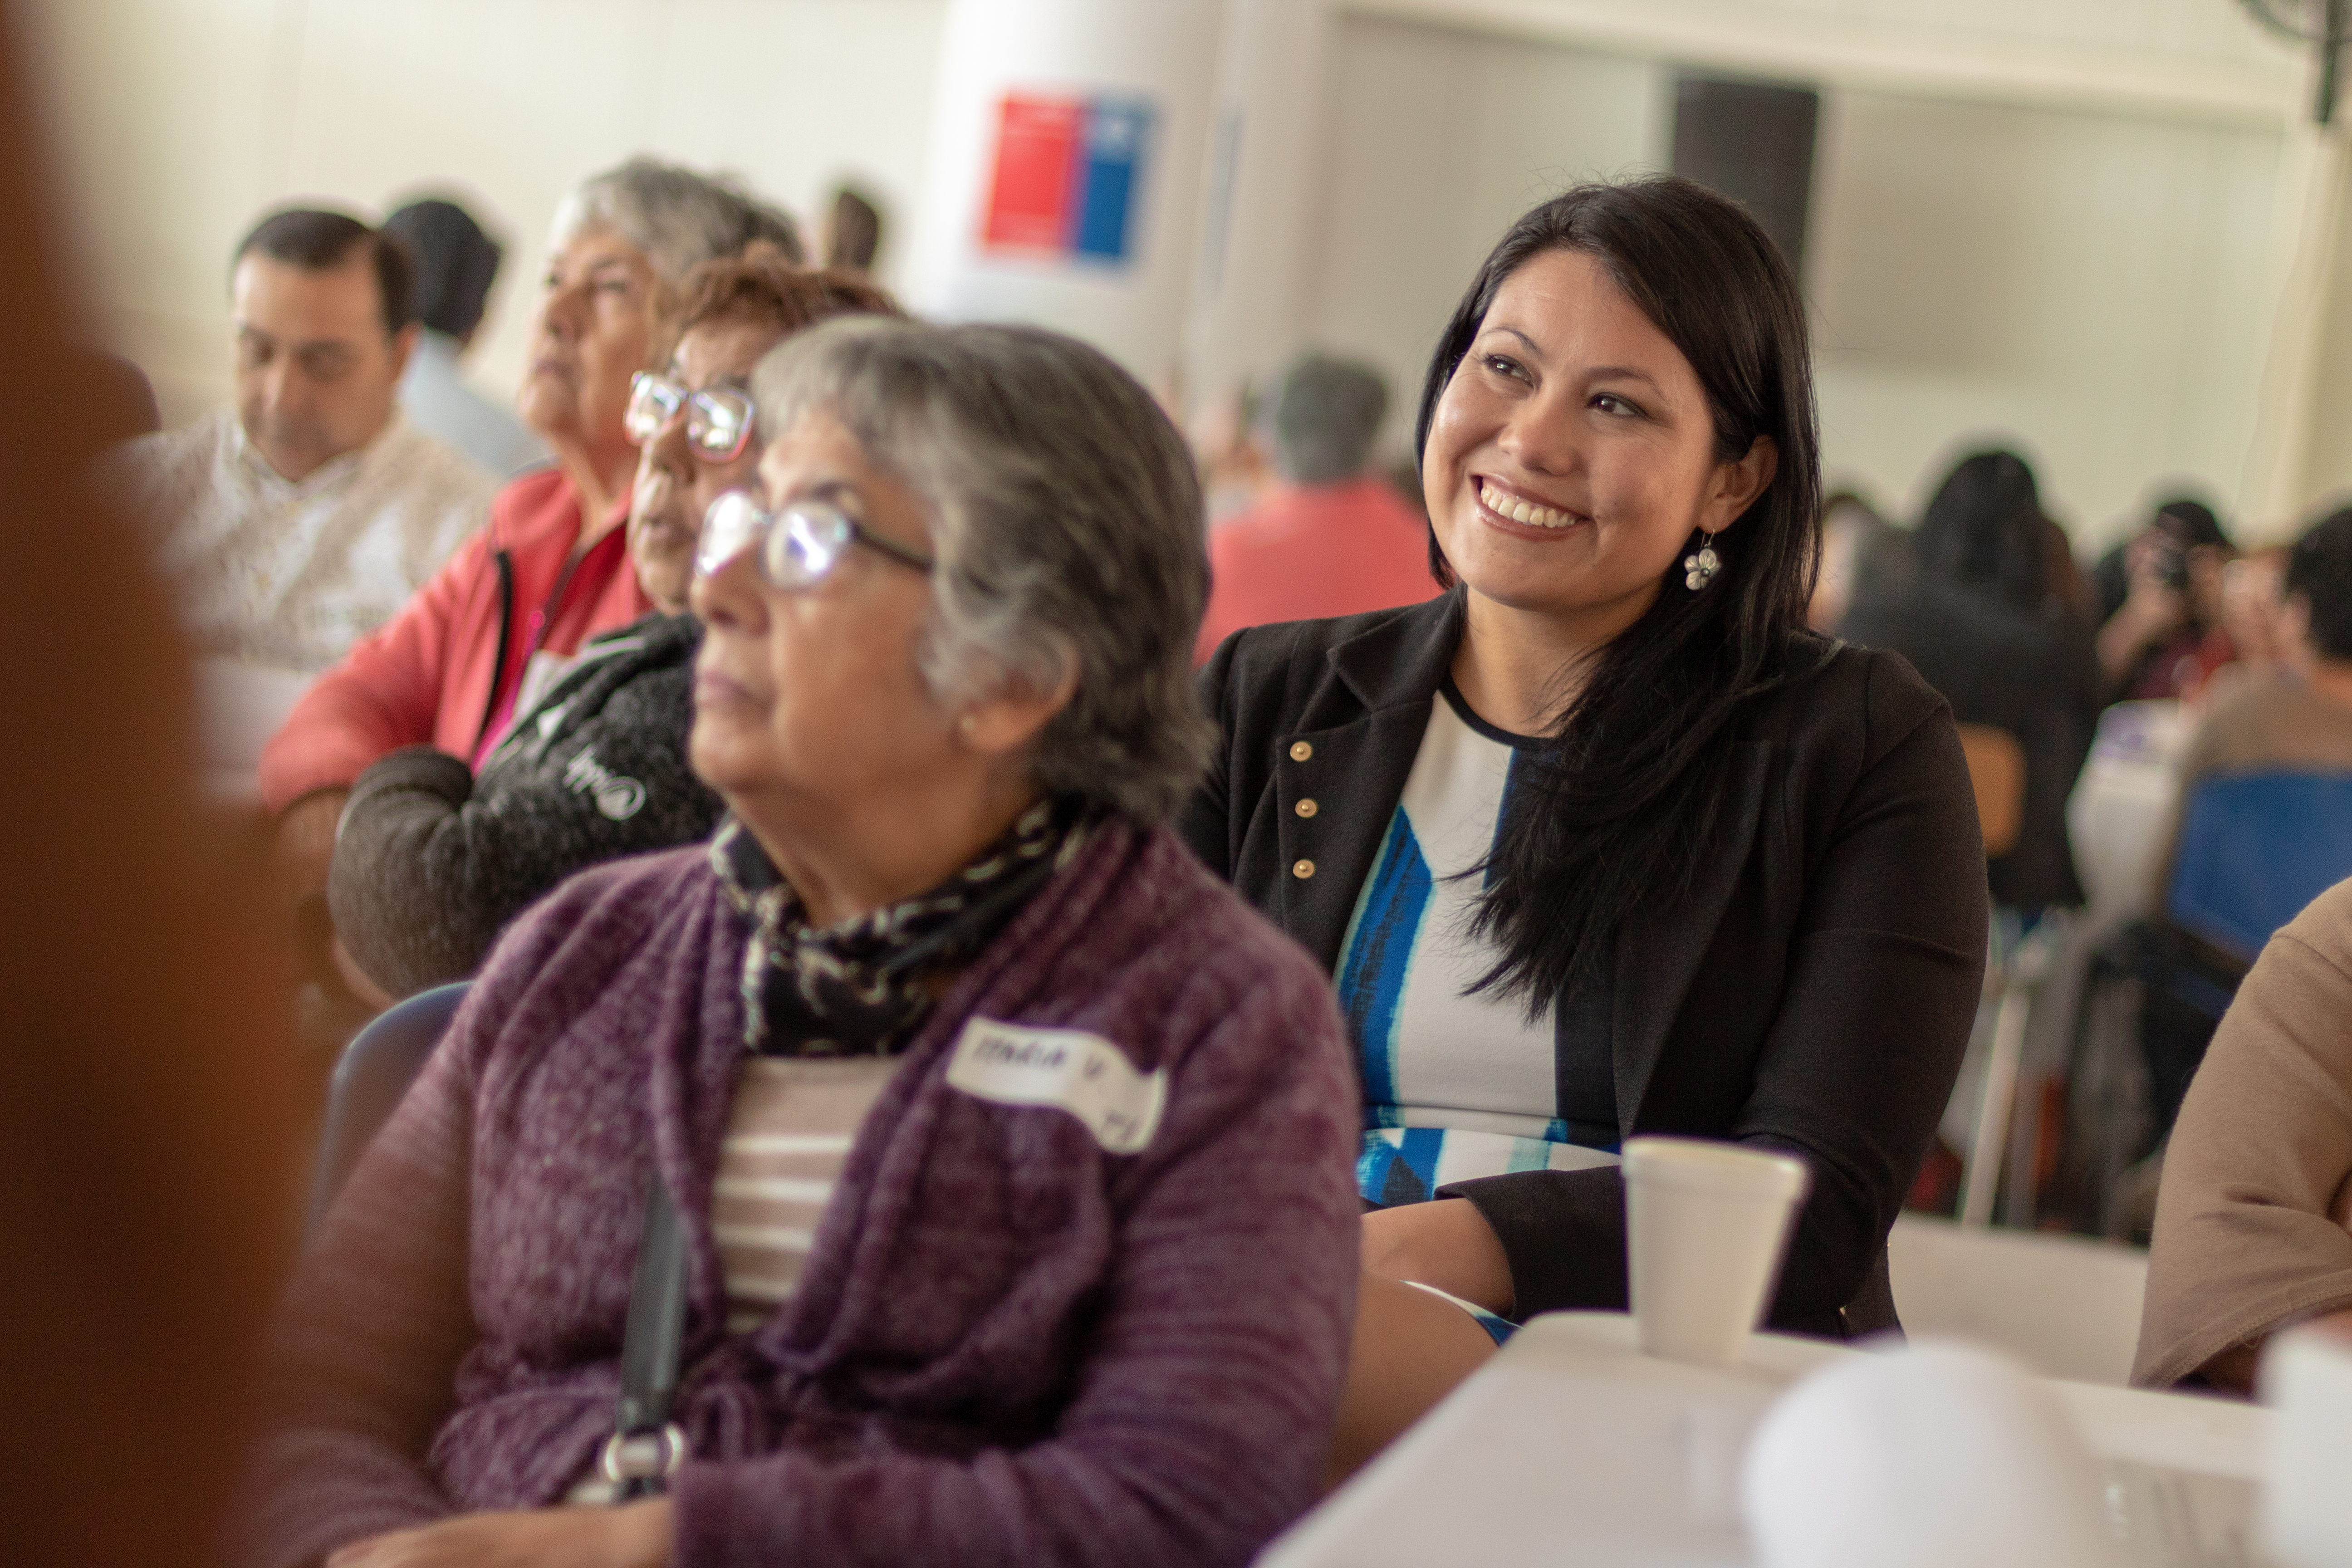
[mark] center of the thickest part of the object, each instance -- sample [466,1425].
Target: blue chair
[375,1070]
[2254,849]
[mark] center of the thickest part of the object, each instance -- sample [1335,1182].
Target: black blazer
[1814,993]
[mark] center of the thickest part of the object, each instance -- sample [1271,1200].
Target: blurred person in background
[1331,538]
[2299,714]
[1010,1150]
[496,626]
[2069,588]
[850,235]
[2254,599]
[2161,632]
[148,1118]
[303,518]
[124,401]
[2296,717]
[456,265]
[1967,599]
[1851,532]
[1233,471]
[431,861]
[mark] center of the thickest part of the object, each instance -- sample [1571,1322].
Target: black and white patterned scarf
[855,989]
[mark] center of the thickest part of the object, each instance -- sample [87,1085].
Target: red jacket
[446,667]
[1307,552]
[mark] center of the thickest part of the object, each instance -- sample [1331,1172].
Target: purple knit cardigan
[1009,1346]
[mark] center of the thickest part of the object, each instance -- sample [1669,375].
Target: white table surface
[1571,1448]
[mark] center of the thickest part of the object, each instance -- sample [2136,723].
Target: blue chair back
[375,1070]
[2254,849]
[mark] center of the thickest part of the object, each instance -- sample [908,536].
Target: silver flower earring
[1699,568]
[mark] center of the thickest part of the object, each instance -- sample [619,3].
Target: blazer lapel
[1663,945]
[1350,780]
[1336,785]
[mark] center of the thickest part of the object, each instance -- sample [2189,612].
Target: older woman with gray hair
[624,241]
[998,1158]
[509,610]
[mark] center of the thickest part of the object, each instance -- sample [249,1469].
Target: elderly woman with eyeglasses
[484,638]
[433,860]
[1010,1152]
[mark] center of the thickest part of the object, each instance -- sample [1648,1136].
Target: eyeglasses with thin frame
[718,419]
[798,544]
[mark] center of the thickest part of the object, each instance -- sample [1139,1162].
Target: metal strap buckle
[647,1454]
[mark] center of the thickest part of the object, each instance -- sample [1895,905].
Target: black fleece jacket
[431,862]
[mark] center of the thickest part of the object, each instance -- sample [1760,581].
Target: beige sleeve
[2245,1235]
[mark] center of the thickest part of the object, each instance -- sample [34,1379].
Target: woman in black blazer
[1728,882]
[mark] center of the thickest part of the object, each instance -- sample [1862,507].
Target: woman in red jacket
[516,601]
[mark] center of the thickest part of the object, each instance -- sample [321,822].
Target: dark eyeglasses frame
[655,401]
[737,522]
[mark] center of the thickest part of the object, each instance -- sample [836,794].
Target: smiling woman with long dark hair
[1604,841]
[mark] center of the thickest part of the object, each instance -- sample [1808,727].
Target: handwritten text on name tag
[1082,1074]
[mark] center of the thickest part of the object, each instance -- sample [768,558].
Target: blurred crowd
[738,780]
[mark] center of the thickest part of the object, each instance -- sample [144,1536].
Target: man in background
[1328,538]
[301,519]
[456,263]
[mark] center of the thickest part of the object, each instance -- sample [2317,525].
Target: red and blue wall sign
[1069,175]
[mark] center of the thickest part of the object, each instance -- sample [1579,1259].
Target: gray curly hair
[1068,524]
[678,218]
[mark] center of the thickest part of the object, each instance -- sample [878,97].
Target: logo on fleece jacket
[616,795]
[1082,1074]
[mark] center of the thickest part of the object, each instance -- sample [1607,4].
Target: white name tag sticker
[1082,1074]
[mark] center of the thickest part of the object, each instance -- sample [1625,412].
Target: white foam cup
[2306,1376]
[1705,1225]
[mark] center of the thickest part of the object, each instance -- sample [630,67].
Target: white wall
[1162,58]
[2055,217]
[2093,285]
[1439,139]
[179,120]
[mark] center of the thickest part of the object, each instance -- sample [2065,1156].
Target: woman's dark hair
[2319,568]
[1984,530]
[1627,805]
[2190,523]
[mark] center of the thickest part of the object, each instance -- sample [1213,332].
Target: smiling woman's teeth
[1526,512]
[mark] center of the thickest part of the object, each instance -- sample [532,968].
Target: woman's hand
[635,1536]
[1446,1243]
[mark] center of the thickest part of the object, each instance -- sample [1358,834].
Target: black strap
[498,668]
[649,1353]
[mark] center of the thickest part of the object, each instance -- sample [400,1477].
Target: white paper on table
[1570,1448]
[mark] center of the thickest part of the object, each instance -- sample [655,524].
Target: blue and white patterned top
[1455,1086]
